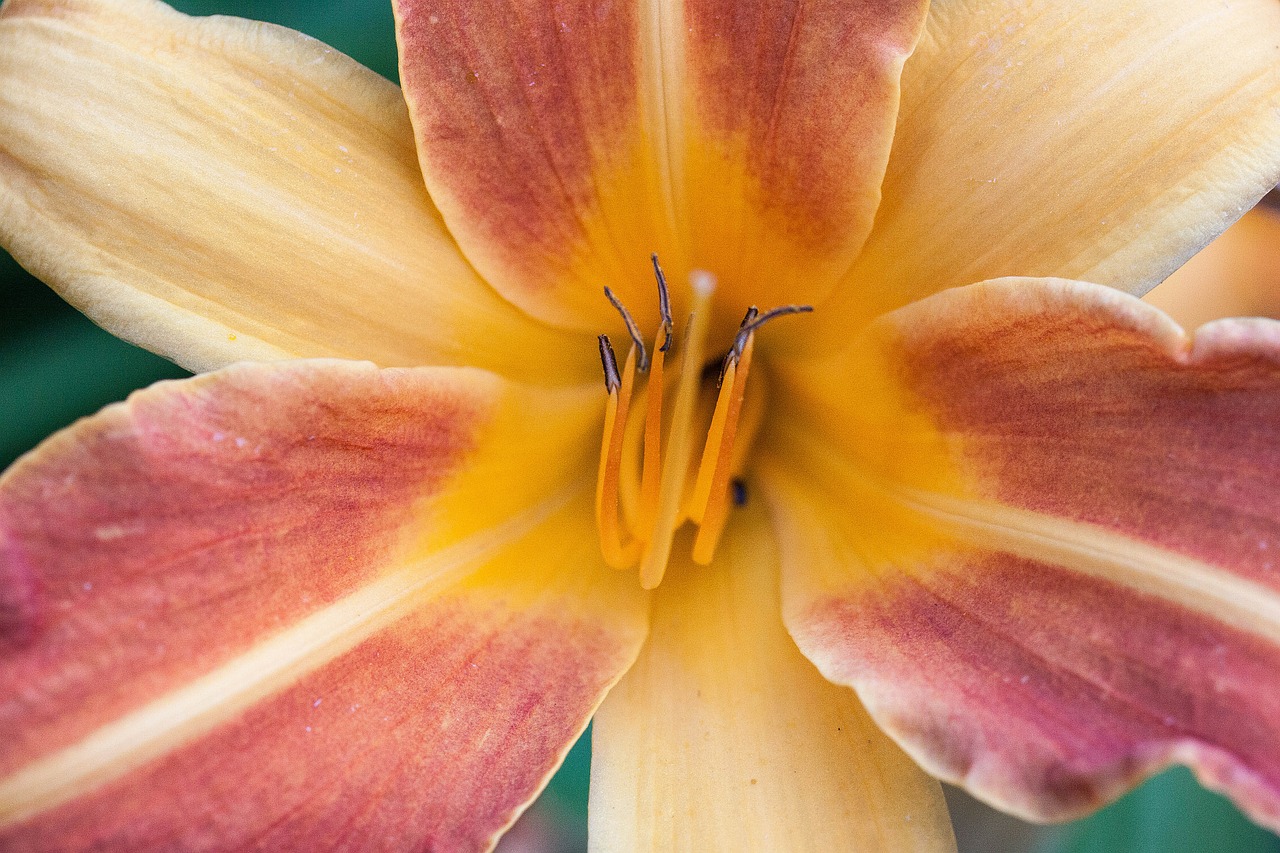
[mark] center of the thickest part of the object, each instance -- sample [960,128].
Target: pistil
[675,463]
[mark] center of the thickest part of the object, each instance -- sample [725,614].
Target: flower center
[638,514]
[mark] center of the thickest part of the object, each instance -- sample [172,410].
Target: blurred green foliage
[56,366]
[1169,814]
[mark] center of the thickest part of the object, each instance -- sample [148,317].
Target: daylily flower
[301,601]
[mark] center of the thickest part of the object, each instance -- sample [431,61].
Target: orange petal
[565,142]
[722,737]
[216,190]
[263,607]
[1102,140]
[531,123]
[786,120]
[1088,591]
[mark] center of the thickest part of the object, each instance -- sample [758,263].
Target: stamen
[615,421]
[651,475]
[735,352]
[718,455]
[664,303]
[749,423]
[610,363]
[751,323]
[675,463]
[642,361]
[719,461]
[715,438]
[671,485]
[704,415]
[632,452]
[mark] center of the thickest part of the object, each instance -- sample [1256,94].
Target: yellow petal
[722,737]
[217,189]
[1105,140]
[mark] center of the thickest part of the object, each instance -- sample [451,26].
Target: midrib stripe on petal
[1095,551]
[183,715]
[662,52]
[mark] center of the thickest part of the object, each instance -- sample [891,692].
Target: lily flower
[362,582]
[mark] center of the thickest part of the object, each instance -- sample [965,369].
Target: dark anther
[735,351]
[612,380]
[642,355]
[752,323]
[664,304]
[739,487]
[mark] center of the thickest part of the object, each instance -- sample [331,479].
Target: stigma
[677,428]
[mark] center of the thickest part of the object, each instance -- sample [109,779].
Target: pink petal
[264,607]
[1085,589]
[564,142]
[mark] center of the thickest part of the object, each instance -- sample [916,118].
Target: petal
[531,125]
[565,142]
[1089,591]
[1104,141]
[244,610]
[216,189]
[788,116]
[1237,275]
[722,737]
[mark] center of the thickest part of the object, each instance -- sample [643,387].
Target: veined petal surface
[564,142]
[787,116]
[723,737]
[251,609]
[216,189]
[1089,590]
[531,125]
[1103,141]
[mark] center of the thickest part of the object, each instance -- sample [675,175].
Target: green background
[56,366]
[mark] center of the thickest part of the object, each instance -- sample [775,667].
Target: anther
[664,304]
[642,356]
[610,363]
[751,323]
[735,351]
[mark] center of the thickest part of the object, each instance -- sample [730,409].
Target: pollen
[682,476]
